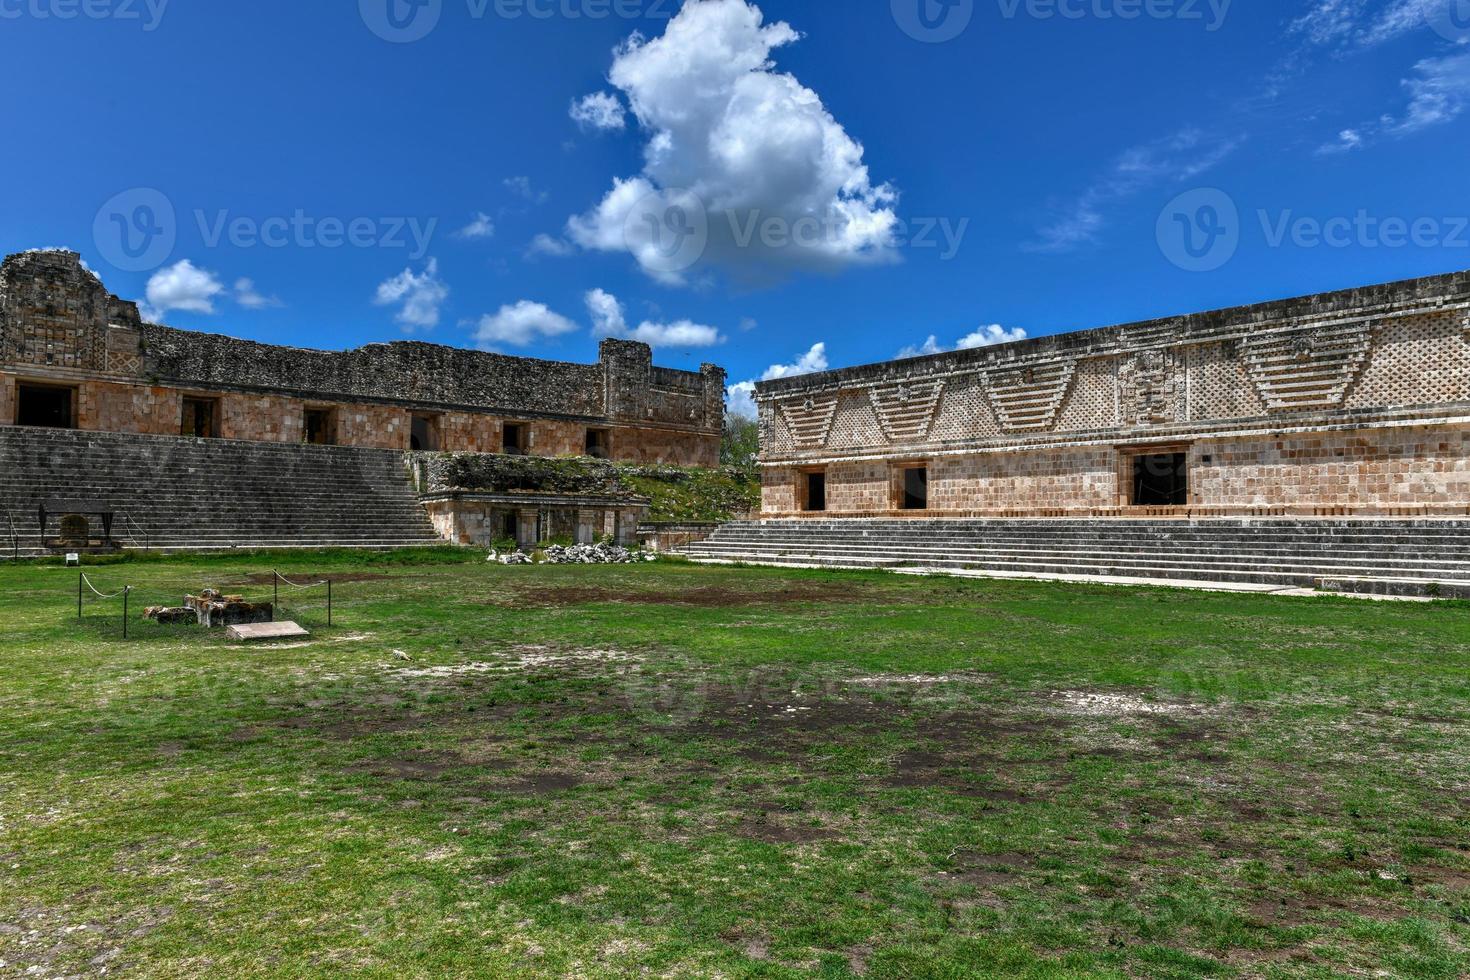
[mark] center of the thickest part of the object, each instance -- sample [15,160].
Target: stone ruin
[212,609]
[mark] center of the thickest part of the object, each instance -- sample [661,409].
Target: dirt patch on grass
[525,659]
[544,784]
[311,578]
[773,829]
[705,597]
[985,871]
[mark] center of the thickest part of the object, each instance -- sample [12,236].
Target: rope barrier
[84,584]
[294,585]
[121,592]
[125,595]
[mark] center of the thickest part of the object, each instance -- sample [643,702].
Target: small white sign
[73,558]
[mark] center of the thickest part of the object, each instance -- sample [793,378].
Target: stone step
[917,552]
[1286,572]
[1421,556]
[1044,569]
[185,494]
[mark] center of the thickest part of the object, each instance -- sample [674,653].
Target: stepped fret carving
[906,412]
[810,420]
[1149,389]
[1312,368]
[1028,399]
[1151,334]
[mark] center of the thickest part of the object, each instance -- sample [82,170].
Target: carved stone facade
[1348,403]
[62,332]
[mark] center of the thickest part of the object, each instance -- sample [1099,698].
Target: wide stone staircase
[173,494]
[1367,556]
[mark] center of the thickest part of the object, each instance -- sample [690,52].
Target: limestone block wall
[1419,469]
[129,408]
[7,397]
[1349,402]
[262,418]
[481,523]
[60,326]
[1069,479]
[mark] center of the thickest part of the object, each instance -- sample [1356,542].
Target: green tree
[741,442]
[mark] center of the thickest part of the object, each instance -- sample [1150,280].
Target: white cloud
[1349,24]
[481,226]
[544,244]
[723,126]
[420,296]
[521,187]
[182,286]
[741,395]
[609,320]
[520,325]
[983,337]
[607,313]
[248,296]
[1438,93]
[1174,159]
[599,111]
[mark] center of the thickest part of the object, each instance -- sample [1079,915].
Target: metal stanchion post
[127,590]
[81,578]
[329,603]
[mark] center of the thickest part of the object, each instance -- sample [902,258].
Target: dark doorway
[599,443]
[514,443]
[916,488]
[816,491]
[46,406]
[425,435]
[1161,480]
[200,418]
[321,427]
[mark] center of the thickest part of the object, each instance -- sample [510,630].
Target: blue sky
[734,184]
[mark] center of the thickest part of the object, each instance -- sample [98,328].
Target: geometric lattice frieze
[810,419]
[1311,368]
[906,411]
[1027,399]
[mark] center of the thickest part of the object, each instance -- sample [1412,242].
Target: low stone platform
[1387,558]
[266,631]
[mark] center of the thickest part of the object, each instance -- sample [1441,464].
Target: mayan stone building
[272,439]
[1349,404]
[74,356]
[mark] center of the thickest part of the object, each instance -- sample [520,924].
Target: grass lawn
[675,770]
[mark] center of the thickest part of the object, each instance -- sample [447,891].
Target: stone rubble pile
[581,554]
[595,554]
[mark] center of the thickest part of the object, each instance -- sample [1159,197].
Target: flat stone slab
[266,631]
